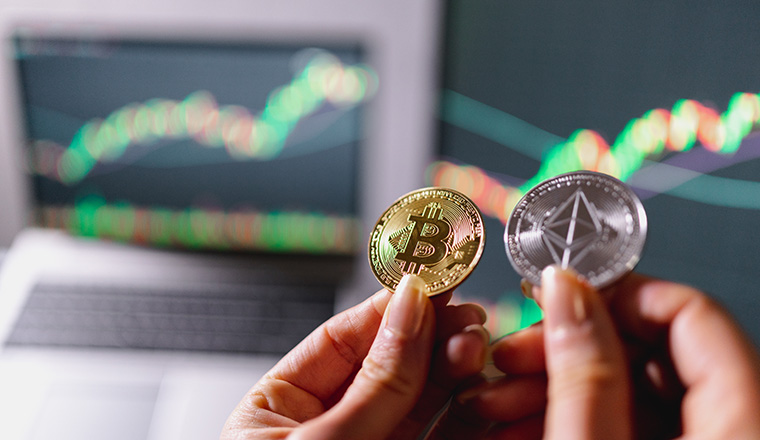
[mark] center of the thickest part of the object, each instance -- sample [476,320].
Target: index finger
[324,360]
[331,354]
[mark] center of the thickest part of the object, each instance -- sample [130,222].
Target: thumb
[589,389]
[392,375]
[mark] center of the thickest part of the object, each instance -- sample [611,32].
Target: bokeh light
[323,81]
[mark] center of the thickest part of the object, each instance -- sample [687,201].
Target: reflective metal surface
[436,233]
[589,221]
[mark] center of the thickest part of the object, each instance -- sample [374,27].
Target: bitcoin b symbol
[435,233]
[425,245]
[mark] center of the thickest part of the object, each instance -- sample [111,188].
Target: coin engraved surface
[436,233]
[586,220]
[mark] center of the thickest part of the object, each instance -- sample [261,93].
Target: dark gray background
[598,64]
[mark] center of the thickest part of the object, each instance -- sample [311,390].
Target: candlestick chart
[663,98]
[228,145]
[688,128]
[646,138]
[245,136]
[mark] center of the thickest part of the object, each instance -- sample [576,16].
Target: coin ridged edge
[384,216]
[640,212]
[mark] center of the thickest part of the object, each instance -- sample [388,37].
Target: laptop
[249,213]
[195,213]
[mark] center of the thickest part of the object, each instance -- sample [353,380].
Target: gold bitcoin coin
[436,233]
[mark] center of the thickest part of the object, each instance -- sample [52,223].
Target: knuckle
[596,376]
[701,304]
[257,397]
[384,374]
[343,343]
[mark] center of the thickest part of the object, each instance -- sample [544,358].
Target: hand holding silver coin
[588,221]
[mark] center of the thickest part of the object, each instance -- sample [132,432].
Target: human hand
[382,369]
[654,360]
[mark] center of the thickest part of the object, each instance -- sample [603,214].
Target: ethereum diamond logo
[571,230]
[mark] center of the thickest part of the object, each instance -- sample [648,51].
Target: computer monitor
[396,39]
[234,145]
[533,89]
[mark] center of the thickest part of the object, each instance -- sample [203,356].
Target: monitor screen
[197,144]
[662,95]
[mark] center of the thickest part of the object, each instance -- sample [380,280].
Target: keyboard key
[252,319]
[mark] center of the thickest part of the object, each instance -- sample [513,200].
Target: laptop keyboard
[255,319]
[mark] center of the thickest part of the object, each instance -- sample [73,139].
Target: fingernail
[407,305]
[527,288]
[481,313]
[563,298]
[481,333]
[530,291]
[470,393]
[484,356]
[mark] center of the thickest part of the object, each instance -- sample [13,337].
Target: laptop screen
[206,145]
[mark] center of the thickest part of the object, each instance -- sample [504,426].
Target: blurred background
[484,97]
[535,88]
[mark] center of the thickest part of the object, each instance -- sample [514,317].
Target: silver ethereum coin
[584,220]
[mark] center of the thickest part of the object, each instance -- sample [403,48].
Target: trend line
[676,130]
[496,125]
[720,191]
[245,136]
